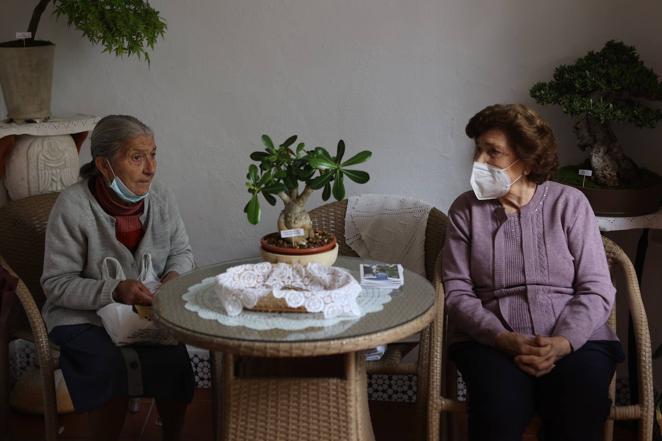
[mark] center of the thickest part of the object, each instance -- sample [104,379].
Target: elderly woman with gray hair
[115,210]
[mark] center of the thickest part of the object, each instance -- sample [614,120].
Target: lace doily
[318,288]
[203,300]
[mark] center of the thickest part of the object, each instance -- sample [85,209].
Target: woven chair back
[331,217]
[22,235]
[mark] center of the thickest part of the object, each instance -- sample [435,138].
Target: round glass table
[294,408]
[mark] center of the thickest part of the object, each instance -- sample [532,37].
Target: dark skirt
[96,370]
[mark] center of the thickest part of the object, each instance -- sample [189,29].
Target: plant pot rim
[295,251]
[18,44]
[633,189]
[624,202]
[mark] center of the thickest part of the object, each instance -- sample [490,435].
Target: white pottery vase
[41,164]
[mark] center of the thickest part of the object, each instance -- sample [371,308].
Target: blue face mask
[122,191]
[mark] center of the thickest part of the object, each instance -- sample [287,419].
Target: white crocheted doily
[203,300]
[315,287]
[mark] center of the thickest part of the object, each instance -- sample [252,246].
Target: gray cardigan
[80,234]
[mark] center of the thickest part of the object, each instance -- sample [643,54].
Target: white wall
[398,77]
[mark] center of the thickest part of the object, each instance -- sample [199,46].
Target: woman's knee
[505,421]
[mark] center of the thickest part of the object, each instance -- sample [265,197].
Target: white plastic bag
[123,324]
[148,276]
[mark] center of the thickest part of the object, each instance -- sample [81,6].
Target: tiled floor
[391,422]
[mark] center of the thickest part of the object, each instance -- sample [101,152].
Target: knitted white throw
[388,228]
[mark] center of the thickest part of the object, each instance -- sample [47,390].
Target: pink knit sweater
[541,271]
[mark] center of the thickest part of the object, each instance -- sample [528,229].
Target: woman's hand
[538,366]
[518,344]
[171,275]
[133,292]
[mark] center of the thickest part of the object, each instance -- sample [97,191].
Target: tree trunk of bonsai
[36,17]
[611,167]
[294,216]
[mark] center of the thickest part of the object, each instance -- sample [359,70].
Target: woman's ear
[102,165]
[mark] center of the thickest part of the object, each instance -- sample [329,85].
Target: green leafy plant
[280,170]
[122,27]
[609,86]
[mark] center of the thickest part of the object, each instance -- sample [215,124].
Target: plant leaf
[269,198]
[275,188]
[300,150]
[268,143]
[252,173]
[341,151]
[358,158]
[338,186]
[319,161]
[360,177]
[327,192]
[289,141]
[259,156]
[253,211]
[321,180]
[265,179]
[291,182]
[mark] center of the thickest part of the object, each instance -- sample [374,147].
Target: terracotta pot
[326,254]
[624,202]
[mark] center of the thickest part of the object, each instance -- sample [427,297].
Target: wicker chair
[331,217]
[22,232]
[643,411]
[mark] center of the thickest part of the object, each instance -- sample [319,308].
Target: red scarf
[128,228]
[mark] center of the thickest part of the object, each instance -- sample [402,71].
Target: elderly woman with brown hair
[115,211]
[528,289]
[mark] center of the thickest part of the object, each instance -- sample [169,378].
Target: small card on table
[387,275]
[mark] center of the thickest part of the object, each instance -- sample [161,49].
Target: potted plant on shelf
[601,88]
[127,27]
[279,172]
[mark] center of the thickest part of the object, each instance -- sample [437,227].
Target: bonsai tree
[280,171]
[126,27]
[612,85]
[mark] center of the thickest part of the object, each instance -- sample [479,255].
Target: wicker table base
[297,409]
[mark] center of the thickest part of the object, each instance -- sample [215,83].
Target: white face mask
[490,182]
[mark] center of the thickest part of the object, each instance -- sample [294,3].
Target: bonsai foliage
[281,170]
[612,85]
[122,27]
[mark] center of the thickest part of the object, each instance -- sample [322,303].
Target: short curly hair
[528,134]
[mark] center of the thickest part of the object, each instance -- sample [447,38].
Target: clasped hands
[134,292]
[537,355]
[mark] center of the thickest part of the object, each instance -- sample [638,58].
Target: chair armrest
[36,321]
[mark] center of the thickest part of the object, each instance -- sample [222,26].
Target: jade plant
[282,170]
[126,27]
[601,88]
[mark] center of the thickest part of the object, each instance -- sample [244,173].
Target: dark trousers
[96,370]
[572,399]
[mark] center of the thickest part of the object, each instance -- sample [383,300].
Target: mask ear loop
[113,171]
[516,161]
[519,177]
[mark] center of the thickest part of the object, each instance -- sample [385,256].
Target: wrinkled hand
[539,365]
[171,275]
[133,292]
